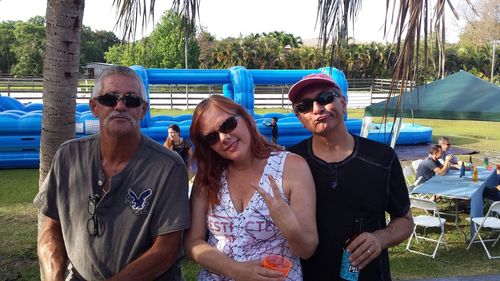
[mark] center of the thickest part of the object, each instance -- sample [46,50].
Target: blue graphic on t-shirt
[138,203]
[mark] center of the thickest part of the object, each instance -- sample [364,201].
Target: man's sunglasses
[111,99]
[225,127]
[323,99]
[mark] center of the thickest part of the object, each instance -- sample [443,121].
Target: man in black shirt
[356,180]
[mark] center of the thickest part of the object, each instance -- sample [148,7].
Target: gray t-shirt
[426,168]
[149,197]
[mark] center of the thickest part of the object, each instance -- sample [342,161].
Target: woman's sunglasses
[226,127]
[323,99]
[111,99]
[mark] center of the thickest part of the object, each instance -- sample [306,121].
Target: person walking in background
[115,203]
[254,198]
[357,181]
[180,145]
[274,127]
[445,144]
[431,165]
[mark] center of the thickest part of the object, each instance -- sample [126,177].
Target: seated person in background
[431,165]
[492,188]
[445,144]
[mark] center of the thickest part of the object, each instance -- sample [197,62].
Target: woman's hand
[296,220]
[279,210]
[253,271]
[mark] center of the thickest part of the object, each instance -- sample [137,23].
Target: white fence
[188,96]
[357,99]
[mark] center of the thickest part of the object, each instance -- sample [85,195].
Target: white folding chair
[409,178]
[416,163]
[489,221]
[426,221]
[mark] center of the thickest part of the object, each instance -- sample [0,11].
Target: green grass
[18,260]
[18,217]
[457,261]
[18,244]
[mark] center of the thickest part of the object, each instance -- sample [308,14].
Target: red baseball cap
[315,78]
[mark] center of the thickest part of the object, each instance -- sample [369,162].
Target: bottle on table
[462,170]
[474,173]
[486,162]
[349,272]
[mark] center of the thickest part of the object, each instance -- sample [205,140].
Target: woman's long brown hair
[210,164]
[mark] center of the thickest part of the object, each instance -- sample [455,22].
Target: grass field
[18,217]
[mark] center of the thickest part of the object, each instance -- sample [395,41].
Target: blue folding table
[455,187]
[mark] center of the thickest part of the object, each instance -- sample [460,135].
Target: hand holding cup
[278,263]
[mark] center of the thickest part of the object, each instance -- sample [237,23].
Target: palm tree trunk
[60,78]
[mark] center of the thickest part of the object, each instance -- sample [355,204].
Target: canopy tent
[460,96]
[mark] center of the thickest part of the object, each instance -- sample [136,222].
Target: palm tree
[60,77]
[411,24]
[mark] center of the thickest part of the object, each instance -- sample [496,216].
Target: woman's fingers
[268,198]
[265,195]
[275,188]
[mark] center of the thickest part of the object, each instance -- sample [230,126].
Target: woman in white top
[239,172]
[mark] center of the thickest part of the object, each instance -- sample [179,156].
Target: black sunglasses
[306,105]
[111,99]
[93,223]
[225,127]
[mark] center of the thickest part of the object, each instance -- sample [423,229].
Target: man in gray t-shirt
[431,165]
[116,203]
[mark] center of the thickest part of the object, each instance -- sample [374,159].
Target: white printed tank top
[251,234]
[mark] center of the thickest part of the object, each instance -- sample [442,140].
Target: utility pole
[493,60]
[185,46]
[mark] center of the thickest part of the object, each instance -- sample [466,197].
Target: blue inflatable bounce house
[20,125]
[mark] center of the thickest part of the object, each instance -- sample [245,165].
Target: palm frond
[412,27]
[189,9]
[128,14]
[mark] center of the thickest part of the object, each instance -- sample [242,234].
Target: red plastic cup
[277,263]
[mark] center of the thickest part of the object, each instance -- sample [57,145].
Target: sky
[224,18]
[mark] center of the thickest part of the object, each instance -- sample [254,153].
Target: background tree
[169,42]
[29,48]
[22,46]
[95,44]
[205,42]
[164,48]
[285,38]
[482,23]
[7,43]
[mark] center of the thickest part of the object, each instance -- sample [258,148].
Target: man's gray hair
[118,69]
[443,138]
